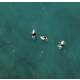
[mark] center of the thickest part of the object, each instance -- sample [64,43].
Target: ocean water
[22,57]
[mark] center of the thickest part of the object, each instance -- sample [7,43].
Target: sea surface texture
[23,57]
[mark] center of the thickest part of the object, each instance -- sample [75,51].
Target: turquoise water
[21,57]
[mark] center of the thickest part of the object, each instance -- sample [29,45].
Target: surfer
[61,44]
[33,34]
[44,38]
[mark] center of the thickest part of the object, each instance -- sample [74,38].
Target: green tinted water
[21,57]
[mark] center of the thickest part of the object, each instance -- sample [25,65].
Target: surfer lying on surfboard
[44,38]
[61,44]
[33,34]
